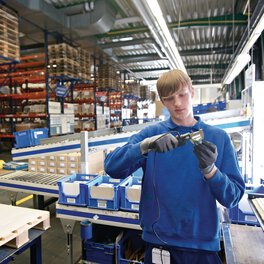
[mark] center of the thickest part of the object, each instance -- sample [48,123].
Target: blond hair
[171,81]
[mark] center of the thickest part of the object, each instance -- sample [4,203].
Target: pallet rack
[26,84]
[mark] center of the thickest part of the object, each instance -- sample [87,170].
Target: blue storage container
[130,193]
[131,240]
[73,190]
[242,213]
[221,105]
[196,109]
[104,193]
[30,137]
[101,247]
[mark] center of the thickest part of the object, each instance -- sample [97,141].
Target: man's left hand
[206,153]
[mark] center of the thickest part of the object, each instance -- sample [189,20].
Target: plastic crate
[242,213]
[196,109]
[101,247]
[31,137]
[221,105]
[130,193]
[12,165]
[133,241]
[73,190]
[104,193]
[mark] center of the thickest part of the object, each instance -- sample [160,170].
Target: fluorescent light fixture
[153,17]
[211,85]
[126,39]
[243,58]
[239,64]
[254,35]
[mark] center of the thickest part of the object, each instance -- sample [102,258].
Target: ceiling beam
[208,66]
[151,70]
[228,20]
[195,52]
[127,43]
[138,58]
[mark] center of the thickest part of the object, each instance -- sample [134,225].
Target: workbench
[243,244]
[34,243]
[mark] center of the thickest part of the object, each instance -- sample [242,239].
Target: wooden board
[15,223]
[248,244]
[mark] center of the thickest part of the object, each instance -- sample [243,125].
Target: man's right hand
[160,143]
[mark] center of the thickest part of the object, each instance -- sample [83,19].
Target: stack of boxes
[66,164]
[102,117]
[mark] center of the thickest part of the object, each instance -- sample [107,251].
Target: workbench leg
[13,197]
[35,252]
[38,202]
[68,226]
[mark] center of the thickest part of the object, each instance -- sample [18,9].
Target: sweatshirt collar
[171,125]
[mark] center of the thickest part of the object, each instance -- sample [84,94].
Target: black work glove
[160,143]
[206,153]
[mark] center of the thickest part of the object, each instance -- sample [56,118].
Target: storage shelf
[21,80]
[22,115]
[24,96]
[82,101]
[7,136]
[85,115]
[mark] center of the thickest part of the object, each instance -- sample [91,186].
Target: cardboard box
[42,169]
[62,171]
[95,162]
[52,170]
[62,164]
[52,164]
[33,168]
[42,163]
[74,157]
[52,158]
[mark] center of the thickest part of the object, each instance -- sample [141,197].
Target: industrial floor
[53,240]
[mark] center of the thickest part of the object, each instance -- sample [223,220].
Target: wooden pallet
[16,222]
[9,50]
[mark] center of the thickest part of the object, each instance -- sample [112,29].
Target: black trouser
[182,256]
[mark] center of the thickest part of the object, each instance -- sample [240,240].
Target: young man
[182,181]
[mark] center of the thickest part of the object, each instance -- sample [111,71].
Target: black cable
[157,200]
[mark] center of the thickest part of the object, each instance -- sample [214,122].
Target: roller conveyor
[67,146]
[108,138]
[30,182]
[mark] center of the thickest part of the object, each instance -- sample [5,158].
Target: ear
[192,91]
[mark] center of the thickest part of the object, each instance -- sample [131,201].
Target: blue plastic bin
[104,193]
[130,193]
[221,105]
[30,137]
[101,247]
[242,213]
[73,190]
[133,241]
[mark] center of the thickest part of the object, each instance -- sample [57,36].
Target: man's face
[179,105]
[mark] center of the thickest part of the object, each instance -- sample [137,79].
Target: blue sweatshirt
[178,205]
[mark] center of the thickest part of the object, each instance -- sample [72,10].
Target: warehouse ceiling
[206,32]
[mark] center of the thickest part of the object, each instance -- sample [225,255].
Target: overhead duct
[44,15]
[98,21]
